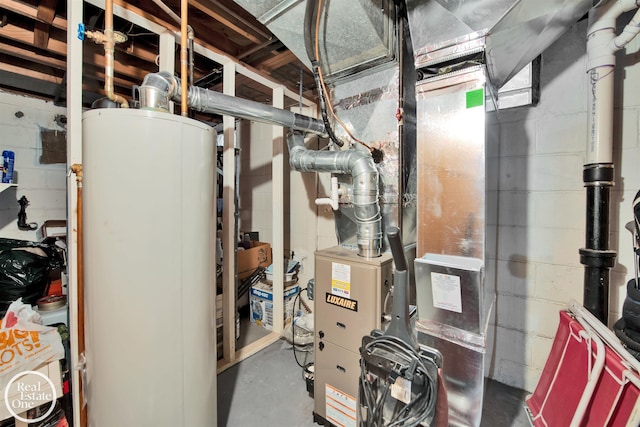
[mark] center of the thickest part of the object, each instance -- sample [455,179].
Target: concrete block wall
[537,225]
[21,119]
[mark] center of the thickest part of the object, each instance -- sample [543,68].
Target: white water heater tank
[149,274]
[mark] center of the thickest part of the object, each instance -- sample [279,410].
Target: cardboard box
[258,255]
[261,304]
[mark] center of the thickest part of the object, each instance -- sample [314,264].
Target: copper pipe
[184,56]
[77,169]
[109,50]
[190,34]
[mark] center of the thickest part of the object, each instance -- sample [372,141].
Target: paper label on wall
[341,280]
[401,390]
[340,408]
[447,293]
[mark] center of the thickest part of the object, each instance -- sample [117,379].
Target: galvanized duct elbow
[159,88]
[208,101]
[360,165]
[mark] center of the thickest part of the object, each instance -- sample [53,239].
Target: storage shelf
[6,186]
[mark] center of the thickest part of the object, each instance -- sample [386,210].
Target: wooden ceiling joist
[47,77]
[31,12]
[34,45]
[45,13]
[276,61]
[201,6]
[32,56]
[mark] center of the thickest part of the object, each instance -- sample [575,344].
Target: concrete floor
[268,389]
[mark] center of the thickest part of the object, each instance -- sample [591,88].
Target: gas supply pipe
[109,40]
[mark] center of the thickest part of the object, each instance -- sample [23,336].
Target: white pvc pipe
[601,48]
[334,197]
[600,131]
[630,31]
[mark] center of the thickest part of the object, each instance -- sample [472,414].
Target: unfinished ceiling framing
[33,49]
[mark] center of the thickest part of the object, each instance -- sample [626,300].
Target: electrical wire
[323,87]
[420,407]
[305,367]
[310,10]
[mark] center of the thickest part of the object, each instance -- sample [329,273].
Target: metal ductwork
[359,164]
[158,88]
[511,33]
[359,33]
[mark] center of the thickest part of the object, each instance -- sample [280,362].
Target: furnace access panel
[351,292]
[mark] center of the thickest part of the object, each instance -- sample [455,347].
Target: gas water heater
[149,269]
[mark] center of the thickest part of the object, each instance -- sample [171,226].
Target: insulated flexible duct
[359,164]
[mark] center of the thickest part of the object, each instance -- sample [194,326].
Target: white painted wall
[255,183]
[43,185]
[535,161]
[310,227]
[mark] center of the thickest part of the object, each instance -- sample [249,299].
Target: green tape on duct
[475,98]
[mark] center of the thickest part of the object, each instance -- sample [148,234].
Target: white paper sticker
[401,390]
[340,408]
[447,293]
[341,280]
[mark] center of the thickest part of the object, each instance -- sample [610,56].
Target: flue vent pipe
[189,31]
[598,173]
[165,86]
[359,164]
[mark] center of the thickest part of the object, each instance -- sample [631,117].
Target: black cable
[416,411]
[619,328]
[310,13]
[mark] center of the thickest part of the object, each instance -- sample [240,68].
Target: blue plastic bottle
[8,159]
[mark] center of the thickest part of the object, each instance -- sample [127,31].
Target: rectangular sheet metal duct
[511,33]
[453,305]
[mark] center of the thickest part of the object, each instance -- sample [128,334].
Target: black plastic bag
[24,270]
